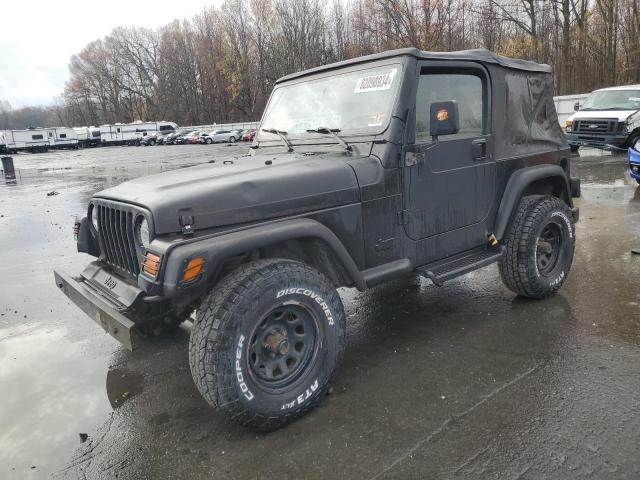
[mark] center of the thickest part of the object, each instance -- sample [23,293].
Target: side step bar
[444,270]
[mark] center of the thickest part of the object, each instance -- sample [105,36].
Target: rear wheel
[266,342]
[540,245]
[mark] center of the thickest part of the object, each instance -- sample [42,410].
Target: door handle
[479,149]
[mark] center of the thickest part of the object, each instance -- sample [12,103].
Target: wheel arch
[537,180]
[300,239]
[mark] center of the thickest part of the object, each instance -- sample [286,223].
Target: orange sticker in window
[442,115]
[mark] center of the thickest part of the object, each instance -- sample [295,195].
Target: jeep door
[449,181]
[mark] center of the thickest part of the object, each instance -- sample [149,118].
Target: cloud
[35,49]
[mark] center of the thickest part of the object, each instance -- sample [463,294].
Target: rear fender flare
[516,186]
[216,249]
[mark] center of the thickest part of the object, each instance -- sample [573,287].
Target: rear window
[95,134]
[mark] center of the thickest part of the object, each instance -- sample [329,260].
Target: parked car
[417,163]
[182,139]
[230,136]
[194,138]
[634,161]
[249,135]
[173,137]
[150,139]
[609,118]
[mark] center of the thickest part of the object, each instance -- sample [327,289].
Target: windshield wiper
[334,133]
[283,136]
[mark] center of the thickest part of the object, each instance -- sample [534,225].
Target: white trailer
[132,133]
[62,137]
[565,105]
[31,139]
[87,136]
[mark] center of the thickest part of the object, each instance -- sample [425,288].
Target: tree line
[221,65]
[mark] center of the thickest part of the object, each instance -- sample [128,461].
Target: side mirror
[444,118]
[576,106]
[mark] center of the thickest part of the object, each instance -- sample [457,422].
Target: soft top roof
[481,55]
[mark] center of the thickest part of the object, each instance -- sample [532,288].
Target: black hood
[248,189]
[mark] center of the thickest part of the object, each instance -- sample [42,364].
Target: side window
[118,130]
[36,137]
[63,135]
[465,88]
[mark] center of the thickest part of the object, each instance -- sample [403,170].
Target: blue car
[634,161]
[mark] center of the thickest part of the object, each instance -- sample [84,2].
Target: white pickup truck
[609,118]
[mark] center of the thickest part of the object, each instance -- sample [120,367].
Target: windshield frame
[630,91]
[361,134]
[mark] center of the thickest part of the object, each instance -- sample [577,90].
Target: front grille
[115,228]
[596,126]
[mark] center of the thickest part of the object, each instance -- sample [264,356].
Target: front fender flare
[517,184]
[218,248]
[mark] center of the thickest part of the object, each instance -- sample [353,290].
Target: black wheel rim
[549,248]
[282,346]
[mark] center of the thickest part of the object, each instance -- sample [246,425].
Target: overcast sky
[37,38]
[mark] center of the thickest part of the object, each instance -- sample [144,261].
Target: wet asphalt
[460,381]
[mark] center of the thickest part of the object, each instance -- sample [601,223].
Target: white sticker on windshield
[380,81]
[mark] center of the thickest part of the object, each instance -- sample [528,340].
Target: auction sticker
[372,83]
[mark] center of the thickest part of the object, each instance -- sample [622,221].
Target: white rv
[62,137]
[132,133]
[31,139]
[87,136]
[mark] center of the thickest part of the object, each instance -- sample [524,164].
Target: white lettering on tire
[303,397]
[566,221]
[311,294]
[243,386]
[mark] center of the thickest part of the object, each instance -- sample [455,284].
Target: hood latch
[186,222]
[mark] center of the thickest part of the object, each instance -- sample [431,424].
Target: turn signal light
[151,264]
[193,269]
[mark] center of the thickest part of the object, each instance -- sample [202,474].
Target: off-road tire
[220,347]
[519,267]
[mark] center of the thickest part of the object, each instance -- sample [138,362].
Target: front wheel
[266,342]
[540,245]
[232,139]
[208,141]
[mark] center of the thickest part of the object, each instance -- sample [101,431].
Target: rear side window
[36,137]
[465,88]
[165,128]
[95,134]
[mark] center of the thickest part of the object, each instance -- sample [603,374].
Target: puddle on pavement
[55,363]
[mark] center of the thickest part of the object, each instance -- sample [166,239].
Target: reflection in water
[122,385]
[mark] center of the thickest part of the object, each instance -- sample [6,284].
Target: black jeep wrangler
[404,162]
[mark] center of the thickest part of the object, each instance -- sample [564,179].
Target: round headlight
[94,218]
[143,233]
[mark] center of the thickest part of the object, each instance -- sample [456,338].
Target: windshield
[354,102]
[613,100]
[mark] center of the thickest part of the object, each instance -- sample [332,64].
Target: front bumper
[610,142]
[104,311]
